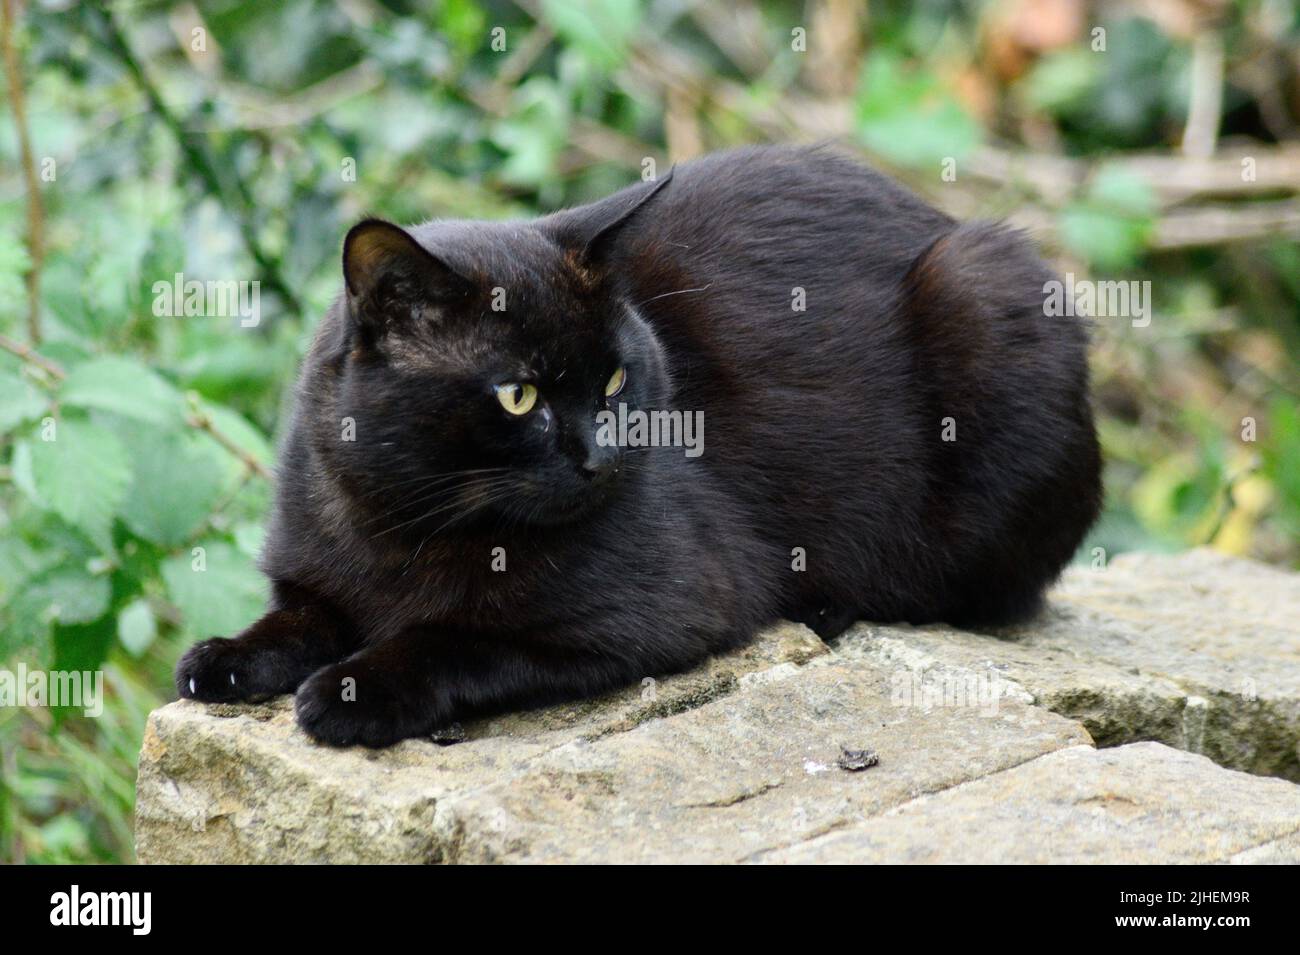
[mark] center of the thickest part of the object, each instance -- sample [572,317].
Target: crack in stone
[733,800]
[1236,733]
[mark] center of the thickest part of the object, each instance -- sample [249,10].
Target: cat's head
[472,362]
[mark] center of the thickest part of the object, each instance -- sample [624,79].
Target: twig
[200,420]
[213,522]
[1050,182]
[9,763]
[738,30]
[232,194]
[1221,224]
[524,55]
[588,136]
[1206,98]
[253,110]
[1173,179]
[1189,227]
[35,209]
[50,367]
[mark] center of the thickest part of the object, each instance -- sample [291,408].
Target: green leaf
[80,473]
[19,561]
[216,588]
[83,646]
[67,595]
[1281,453]
[136,627]
[178,477]
[124,387]
[19,401]
[65,837]
[1111,225]
[907,117]
[1123,192]
[250,538]
[601,30]
[1061,79]
[14,263]
[535,134]
[464,22]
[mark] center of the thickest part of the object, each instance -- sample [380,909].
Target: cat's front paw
[352,703]
[222,670]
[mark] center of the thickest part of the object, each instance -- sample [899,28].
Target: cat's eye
[615,383]
[517,398]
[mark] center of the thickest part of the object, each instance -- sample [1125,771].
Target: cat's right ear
[389,275]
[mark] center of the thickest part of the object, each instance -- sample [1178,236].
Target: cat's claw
[227,671]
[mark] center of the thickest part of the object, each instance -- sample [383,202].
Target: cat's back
[785,260]
[831,325]
[774,278]
[785,207]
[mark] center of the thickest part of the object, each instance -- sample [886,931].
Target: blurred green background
[1155,141]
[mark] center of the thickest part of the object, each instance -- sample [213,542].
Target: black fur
[823,431]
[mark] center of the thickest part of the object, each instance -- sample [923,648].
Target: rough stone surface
[1201,652]
[1140,803]
[985,744]
[745,773]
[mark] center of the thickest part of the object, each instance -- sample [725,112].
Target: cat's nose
[600,464]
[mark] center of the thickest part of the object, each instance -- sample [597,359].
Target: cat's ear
[388,272]
[591,231]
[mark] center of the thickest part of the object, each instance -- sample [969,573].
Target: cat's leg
[298,636]
[413,683]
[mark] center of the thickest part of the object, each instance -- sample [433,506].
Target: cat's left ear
[591,231]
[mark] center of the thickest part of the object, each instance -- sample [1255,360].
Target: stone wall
[1138,720]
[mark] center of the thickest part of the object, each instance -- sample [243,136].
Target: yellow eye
[615,383]
[517,398]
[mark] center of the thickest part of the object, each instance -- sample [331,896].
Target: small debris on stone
[449,735]
[856,760]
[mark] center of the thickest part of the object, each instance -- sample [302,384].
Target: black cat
[896,431]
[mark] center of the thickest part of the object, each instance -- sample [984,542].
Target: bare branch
[50,367]
[232,193]
[35,208]
[200,420]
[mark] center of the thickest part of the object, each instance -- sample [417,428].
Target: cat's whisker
[487,501]
[385,488]
[433,512]
[680,291]
[419,495]
[492,493]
